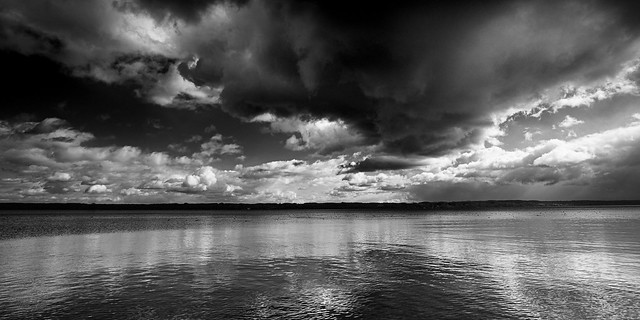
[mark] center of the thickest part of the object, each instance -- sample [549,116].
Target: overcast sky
[313,101]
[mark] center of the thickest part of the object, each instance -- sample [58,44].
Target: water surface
[580,263]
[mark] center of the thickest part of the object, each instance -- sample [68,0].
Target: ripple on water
[568,263]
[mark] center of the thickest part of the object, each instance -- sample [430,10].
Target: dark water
[549,264]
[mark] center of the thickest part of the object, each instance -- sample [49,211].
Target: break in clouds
[262,101]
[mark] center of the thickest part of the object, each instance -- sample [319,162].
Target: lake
[578,263]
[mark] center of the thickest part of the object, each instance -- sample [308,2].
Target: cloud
[607,145]
[38,190]
[131,192]
[379,163]
[323,135]
[231,188]
[272,181]
[360,179]
[195,138]
[569,122]
[576,168]
[60,176]
[400,77]
[190,11]
[216,147]
[461,96]
[57,154]
[273,169]
[98,188]
[172,89]
[528,136]
[200,180]
[87,32]
[412,88]
[108,41]
[278,196]
[49,125]
[176,147]
[381,181]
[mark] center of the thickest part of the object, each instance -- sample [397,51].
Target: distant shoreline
[415,206]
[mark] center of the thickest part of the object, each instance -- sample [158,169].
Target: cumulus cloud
[131,191]
[200,180]
[519,172]
[216,147]
[98,188]
[323,135]
[59,176]
[65,148]
[137,175]
[34,191]
[36,153]
[380,182]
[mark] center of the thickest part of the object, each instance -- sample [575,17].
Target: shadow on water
[39,225]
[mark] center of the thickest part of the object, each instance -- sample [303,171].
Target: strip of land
[414,206]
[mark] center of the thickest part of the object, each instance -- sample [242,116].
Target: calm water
[547,264]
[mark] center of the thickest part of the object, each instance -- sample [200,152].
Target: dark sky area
[312,101]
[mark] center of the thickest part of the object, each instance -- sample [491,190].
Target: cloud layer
[411,78]
[410,101]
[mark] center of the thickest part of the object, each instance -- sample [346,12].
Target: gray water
[533,264]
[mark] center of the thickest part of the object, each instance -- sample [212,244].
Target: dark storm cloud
[378,164]
[16,36]
[419,78]
[410,76]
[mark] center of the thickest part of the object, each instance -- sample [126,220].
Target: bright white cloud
[98,188]
[607,145]
[569,122]
[585,96]
[321,134]
[548,161]
[200,180]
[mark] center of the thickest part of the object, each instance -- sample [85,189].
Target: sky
[152,101]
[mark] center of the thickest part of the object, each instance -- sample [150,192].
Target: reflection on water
[571,264]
